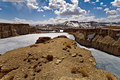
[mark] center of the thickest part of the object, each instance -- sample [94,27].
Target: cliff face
[102,39]
[51,59]
[9,30]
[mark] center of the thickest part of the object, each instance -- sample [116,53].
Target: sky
[58,11]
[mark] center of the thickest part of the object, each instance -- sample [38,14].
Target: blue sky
[58,11]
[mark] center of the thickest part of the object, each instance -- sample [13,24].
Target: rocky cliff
[9,30]
[51,59]
[104,39]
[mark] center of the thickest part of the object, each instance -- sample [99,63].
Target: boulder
[62,36]
[42,39]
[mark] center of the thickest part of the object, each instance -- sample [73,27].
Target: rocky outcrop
[56,59]
[42,40]
[9,30]
[103,39]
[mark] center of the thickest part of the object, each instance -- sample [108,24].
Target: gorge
[103,60]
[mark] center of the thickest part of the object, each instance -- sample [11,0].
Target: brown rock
[28,64]
[42,39]
[49,57]
[62,36]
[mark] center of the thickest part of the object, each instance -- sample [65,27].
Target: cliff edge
[11,30]
[51,59]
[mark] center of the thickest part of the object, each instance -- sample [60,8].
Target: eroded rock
[37,63]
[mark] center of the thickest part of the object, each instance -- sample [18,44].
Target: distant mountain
[77,24]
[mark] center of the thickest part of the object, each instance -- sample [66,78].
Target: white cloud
[74,2]
[69,9]
[97,0]
[101,3]
[46,7]
[114,17]
[32,6]
[111,12]
[116,3]
[86,0]
[118,9]
[43,15]
[40,10]
[0,9]
[30,3]
[61,6]
[54,4]
[13,0]
[99,8]
[106,9]
[64,8]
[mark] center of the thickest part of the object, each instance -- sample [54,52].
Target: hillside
[51,59]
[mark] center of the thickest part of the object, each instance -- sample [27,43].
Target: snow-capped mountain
[77,24]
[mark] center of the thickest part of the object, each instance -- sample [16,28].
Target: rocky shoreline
[10,30]
[104,39]
[51,59]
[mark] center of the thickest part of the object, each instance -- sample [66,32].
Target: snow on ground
[104,61]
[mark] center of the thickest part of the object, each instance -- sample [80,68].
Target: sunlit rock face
[9,30]
[103,39]
[54,59]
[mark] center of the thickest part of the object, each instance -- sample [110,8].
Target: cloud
[61,7]
[13,0]
[40,10]
[86,0]
[46,7]
[0,9]
[114,17]
[101,3]
[106,9]
[70,9]
[74,2]
[111,12]
[32,4]
[99,8]
[116,3]
[44,15]
[97,0]
[64,8]
[54,4]
[118,9]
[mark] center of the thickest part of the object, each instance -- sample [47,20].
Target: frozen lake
[104,61]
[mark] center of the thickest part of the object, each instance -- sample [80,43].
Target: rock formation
[54,59]
[42,40]
[103,39]
[9,30]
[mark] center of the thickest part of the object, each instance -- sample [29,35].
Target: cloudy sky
[58,11]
